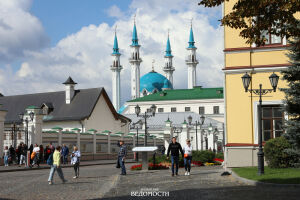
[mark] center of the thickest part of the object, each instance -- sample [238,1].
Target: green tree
[254,16]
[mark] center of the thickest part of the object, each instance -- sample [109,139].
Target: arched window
[136,56]
[193,58]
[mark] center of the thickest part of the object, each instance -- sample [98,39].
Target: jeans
[36,159]
[5,160]
[76,169]
[65,159]
[187,163]
[122,165]
[22,159]
[174,160]
[59,171]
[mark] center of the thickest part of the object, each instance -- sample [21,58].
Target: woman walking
[56,166]
[75,160]
[6,155]
[187,157]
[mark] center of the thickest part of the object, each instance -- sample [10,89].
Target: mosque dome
[154,81]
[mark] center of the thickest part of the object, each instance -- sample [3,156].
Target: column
[168,133]
[78,139]
[108,143]
[38,127]
[60,137]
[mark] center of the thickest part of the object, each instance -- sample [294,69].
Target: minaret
[168,68]
[191,61]
[135,62]
[116,69]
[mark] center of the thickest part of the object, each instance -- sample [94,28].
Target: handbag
[186,155]
[32,155]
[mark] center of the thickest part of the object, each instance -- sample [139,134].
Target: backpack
[50,160]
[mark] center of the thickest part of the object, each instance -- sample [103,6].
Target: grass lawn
[282,176]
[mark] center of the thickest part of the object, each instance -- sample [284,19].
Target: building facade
[241,114]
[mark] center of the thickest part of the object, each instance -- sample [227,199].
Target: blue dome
[153,80]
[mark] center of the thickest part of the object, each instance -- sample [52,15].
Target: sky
[42,42]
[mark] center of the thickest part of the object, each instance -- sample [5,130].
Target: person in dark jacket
[174,147]
[65,154]
[121,157]
[12,154]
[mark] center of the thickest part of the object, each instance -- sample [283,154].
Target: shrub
[275,153]
[204,156]
[220,156]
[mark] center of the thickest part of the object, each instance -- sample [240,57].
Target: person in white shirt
[187,157]
[75,160]
[36,159]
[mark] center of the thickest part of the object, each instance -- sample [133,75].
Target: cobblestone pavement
[94,181]
[204,183]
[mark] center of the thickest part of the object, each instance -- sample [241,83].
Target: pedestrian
[30,150]
[163,150]
[41,154]
[187,157]
[47,153]
[52,148]
[18,153]
[36,155]
[75,160]
[56,165]
[12,154]
[65,154]
[5,156]
[23,152]
[122,156]
[174,147]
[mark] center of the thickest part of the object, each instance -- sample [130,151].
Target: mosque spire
[116,46]
[168,48]
[135,41]
[191,39]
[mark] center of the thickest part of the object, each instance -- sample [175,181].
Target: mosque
[174,106]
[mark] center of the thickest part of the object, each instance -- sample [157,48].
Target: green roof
[184,94]
[101,134]
[57,128]
[75,129]
[93,130]
[106,131]
[131,134]
[32,107]
[86,134]
[119,133]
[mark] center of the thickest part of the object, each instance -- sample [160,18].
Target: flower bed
[151,166]
[196,163]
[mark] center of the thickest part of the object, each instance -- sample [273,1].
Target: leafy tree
[254,16]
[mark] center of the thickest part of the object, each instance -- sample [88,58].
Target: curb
[259,183]
[65,166]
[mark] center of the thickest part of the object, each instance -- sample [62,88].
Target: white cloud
[19,30]
[86,54]
[115,11]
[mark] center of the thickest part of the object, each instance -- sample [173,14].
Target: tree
[292,100]
[255,16]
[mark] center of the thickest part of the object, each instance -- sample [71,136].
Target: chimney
[70,89]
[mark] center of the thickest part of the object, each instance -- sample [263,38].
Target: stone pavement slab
[205,183]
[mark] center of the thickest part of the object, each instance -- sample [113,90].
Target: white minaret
[168,68]
[191,61]
[116,69]
[70,89]
[135,62]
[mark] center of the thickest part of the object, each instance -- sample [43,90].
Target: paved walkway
[12,168]
[205,183]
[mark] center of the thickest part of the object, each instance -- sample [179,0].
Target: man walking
[56,166]
[174,147]
[22,154]
[121,157]
[65,153]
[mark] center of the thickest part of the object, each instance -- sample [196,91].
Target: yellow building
[241,108]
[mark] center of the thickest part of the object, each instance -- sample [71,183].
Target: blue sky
[64,17]
[74,38]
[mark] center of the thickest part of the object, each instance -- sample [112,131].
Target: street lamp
[26,120]
[200,123]
[138,125]
[246,82]
[148,113]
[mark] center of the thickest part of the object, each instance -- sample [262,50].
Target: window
[187,109]
[271,38]
[272,120]
[160,109]
[201,110]
[173,109]
[216,110]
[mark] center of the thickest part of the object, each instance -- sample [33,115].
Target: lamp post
[200,123]
[148,113]
[246,82]
[26,120]
[138,125]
